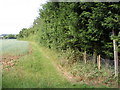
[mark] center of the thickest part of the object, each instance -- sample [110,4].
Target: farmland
[13,47]
[10,50]
[69,45]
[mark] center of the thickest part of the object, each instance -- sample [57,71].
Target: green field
[9,50]
[13,47]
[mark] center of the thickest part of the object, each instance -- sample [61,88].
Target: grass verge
[36,70]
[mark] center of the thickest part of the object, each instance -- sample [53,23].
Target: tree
[112,22]
[11,36]
[86,27]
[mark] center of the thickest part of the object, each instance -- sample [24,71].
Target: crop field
[10,50]
[13,47]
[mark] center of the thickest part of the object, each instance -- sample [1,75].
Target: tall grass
[36,70]
[81,72]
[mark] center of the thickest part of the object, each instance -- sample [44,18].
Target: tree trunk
[98,61]
[84,57]
[115,55]
[94,57]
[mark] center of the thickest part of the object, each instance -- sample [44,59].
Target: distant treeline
[9,36]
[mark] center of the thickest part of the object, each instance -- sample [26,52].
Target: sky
[18,14]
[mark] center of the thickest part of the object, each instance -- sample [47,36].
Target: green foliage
[78,26]
[11,36]
[75,27]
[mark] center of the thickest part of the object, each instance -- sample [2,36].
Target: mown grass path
[36,71]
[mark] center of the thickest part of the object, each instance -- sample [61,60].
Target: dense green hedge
[77,25]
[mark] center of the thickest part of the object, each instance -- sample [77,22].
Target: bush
[70,56]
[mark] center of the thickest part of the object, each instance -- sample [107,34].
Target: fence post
[85,57]
[98,60]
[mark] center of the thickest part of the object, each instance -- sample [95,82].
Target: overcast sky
[18,14]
